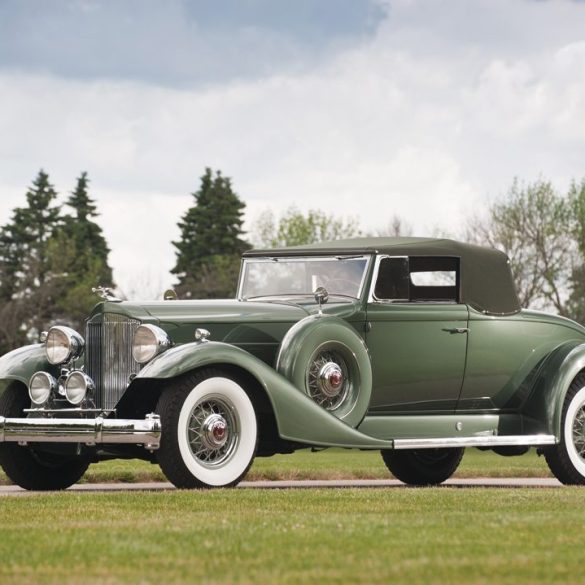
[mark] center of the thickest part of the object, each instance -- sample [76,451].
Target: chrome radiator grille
[109,360]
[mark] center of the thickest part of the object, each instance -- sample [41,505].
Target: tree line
[51,254]
[50,257]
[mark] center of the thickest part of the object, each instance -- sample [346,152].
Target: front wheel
[29,466]
[209,431]
[567,459]
[423,466]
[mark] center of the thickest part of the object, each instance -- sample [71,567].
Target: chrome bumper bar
[90,431]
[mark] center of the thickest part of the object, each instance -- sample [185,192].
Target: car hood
[205,311]
[225,311]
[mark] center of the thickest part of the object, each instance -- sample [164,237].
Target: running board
[477,441]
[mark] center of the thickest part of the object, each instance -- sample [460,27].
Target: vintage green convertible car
[415,347]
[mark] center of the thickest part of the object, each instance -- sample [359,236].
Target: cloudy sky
[365,108]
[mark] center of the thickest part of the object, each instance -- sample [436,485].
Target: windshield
[264,277]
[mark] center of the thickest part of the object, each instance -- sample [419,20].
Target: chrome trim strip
[89,431]
[477,441]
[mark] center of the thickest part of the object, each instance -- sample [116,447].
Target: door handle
[457,330]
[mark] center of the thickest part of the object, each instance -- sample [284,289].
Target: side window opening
[393,282]
[418,279]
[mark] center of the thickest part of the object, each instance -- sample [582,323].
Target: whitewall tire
[574,431]
[567,459]
[209,431]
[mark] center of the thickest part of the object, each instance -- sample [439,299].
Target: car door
[416,335]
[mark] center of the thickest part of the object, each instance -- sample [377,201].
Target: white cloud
[440,109]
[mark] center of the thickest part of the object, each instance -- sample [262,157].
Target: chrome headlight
[149,341]
[77,386]
[40,387]
[63,344]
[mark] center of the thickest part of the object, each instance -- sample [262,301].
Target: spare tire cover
[327,359]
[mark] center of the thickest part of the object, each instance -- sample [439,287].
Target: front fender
[20,364]
[298,418]
[558,372]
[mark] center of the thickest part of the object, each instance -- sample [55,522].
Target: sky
[425,109]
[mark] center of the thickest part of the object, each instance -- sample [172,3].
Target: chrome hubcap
[328,380]
[213,431]
[579,432]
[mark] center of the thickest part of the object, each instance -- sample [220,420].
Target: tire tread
[407,467]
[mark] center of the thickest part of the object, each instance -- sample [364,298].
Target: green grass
[328,464]
[334,464]
[392,535]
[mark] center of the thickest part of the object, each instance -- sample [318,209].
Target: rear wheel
[209,433]
[28,465]
[423,466]
[567,459]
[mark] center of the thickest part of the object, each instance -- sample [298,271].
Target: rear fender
[545,403]
[298,418]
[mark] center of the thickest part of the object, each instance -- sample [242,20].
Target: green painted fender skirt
[297,416]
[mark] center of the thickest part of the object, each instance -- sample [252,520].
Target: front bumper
[90,431]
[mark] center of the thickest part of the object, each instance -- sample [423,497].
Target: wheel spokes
[212,431]
[328,381]
[578,432]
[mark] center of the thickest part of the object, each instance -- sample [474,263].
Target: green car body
[399,366]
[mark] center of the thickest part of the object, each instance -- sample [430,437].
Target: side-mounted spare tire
[326,358]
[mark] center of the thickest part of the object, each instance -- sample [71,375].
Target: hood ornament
[106,293]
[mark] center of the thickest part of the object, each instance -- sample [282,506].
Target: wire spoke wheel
[579,432]
[210,430]
[328,379]
[213,431]
[325,357]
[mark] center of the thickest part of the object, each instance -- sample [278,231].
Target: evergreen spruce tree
[211,240]
[49,263]
[87,236]
[26,282]
[80,254]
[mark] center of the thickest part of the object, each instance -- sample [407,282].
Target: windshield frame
[310,258]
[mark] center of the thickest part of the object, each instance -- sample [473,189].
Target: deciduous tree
[534,225]
[295,228]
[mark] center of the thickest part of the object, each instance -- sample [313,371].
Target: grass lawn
[334,464]
[392,535]
[329,464]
